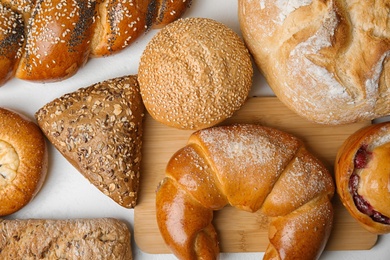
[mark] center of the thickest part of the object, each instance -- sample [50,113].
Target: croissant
[250,167]
[49,40]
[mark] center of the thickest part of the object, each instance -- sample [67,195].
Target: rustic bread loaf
[326,60]
[104,238]
[194,73]
[253,168]
[98,129]
[50,40]
[23,161]
[362,176]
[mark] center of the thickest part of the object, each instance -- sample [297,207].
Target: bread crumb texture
[194,73]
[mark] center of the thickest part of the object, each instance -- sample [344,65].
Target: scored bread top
[326,60]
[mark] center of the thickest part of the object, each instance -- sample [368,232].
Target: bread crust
[24,161]
[11,38]
[252,168]
[57,37]
[374,140]
[98,129]
[105,238]
[194,73]
[326,60]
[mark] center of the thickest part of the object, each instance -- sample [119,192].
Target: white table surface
[67,194]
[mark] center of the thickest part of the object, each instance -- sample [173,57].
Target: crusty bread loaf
[49,40]
[98,129]
[105,239]
[326,60]
[250,167]
[362,176]
[23,161]
[194,73]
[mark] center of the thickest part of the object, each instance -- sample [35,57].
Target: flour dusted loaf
[23,161]
[250,167]
[98,129]
[326,60]
[49,40]
[194,74]
[362,171]
[104,239]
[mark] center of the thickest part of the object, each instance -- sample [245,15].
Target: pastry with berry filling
[362,171]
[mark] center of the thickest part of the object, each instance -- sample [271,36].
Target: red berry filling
[360,161]
[361,157]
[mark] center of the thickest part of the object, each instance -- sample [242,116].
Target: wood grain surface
[241,231]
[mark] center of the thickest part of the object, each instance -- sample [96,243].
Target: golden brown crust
[314,55]
[60,36]
[57,45]
[118,24]
[250,167]
[23,157]
[98,129]
[104,238]
[168,11]
[194,73]
[374,142]
[11,38]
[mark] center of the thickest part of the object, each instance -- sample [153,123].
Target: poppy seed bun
[194,74]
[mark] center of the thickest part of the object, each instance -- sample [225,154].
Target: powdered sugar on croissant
[252,168]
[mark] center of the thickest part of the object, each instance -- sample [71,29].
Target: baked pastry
[23,161]
[253,168]
[194,73]
[326,60]
[50,40]
[98,129]
[362,176]
[104,238]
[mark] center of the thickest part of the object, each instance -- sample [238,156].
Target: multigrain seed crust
[23,161]
[194,73]
[98,129]
[104,238]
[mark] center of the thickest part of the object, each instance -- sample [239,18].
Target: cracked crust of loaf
[104,238]
[326,60]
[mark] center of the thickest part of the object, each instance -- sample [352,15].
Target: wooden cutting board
[241,231]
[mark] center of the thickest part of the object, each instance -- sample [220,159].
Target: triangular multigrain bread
[98,129]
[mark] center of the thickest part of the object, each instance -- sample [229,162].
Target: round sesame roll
[194,74]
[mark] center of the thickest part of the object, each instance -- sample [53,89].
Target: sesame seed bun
[194,74]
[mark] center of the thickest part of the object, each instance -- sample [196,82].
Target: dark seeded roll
[194,74]
[98,129]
